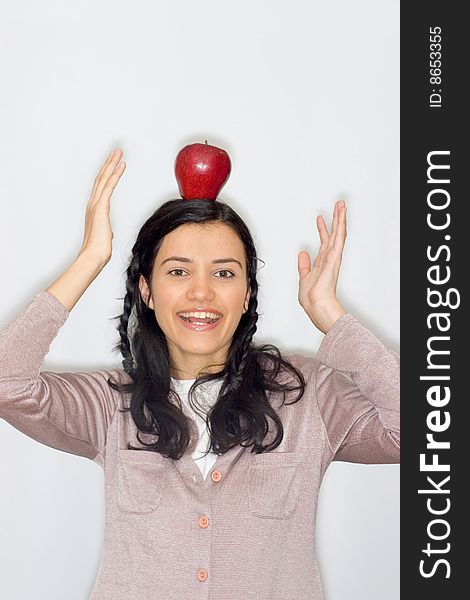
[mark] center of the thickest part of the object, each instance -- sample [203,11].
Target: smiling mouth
[195,321]
[199,324]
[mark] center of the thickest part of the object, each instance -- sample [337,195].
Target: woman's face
[199,267]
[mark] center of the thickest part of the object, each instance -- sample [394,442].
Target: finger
[334,223]
[323,231]
[112,182]
[340,237]
[101,171]
[107,170]
[303,263]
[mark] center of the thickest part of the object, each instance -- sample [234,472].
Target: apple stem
[206,141]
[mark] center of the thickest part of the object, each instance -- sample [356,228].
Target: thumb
[303,263]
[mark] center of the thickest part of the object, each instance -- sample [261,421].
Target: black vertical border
[422,130]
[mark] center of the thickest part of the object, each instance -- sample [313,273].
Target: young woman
[213,448]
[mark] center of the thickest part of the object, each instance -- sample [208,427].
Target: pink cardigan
[247,531]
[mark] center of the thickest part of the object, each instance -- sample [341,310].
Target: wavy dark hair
[240,414]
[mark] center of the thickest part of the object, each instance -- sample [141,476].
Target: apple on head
[201,171]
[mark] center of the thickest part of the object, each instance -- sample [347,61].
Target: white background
[304,96]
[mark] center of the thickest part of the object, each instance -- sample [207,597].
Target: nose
[200,288]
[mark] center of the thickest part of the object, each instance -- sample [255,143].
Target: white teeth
[200,315]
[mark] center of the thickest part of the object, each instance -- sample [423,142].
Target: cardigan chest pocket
[141,476]
[275,482]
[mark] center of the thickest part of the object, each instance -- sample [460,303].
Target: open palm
[317,284]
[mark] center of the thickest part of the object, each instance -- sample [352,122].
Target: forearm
[325,315]
[63,410]
[71,285]
[358,393]
[352,348]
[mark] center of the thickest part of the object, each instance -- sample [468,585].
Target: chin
[202,349]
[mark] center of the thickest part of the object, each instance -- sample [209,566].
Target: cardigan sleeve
[358,394]
[67,411]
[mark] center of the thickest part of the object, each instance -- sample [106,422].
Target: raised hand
[97,239]
[317,285]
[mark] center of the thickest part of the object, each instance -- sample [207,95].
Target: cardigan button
[202,574]
[216,476]
[203,522]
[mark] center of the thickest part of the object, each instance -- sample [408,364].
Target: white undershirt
[206,395]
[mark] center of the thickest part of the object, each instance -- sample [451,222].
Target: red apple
[201,171]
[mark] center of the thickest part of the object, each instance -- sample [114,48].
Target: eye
[220,271]
[172,271]
[226,271]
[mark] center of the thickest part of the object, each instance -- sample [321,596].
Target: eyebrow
[188,260]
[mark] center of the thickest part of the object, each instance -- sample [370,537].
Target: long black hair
[240,414]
